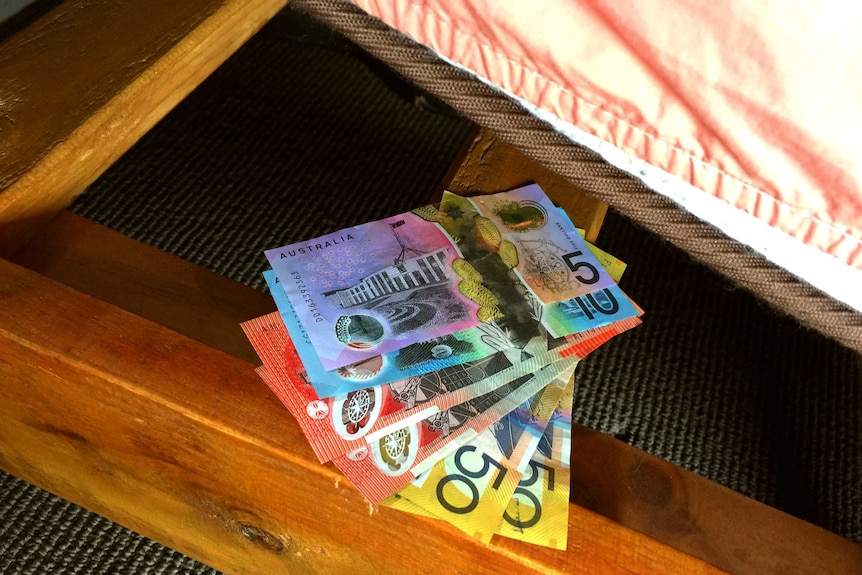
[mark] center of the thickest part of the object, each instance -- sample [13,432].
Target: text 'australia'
[316,247]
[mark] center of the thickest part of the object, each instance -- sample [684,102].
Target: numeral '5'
[467,480]
[519,522]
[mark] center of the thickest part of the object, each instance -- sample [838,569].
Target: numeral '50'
[518,522]
[467,480]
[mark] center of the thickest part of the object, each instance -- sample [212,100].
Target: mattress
[730,129]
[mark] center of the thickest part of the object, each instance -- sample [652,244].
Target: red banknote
[339,425]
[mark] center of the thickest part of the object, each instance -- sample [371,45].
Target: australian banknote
[338,425]
[539,509]
[335,426]
[489,269]
[530,232]
[472,487]
[418,358]
[602,307]
[614,266]
[347,409]
[374,288]
[391,460]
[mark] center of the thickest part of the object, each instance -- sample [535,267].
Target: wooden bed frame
[127,386]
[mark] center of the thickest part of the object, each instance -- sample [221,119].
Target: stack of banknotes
[430,356]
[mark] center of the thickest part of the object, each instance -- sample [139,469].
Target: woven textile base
[300,134]
[42,534]
[295,136]
[717,383]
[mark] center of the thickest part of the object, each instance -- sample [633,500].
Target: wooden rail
[183,443]
[163,428]
[86,80]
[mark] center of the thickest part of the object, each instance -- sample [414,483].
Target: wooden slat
[637,491]
[80,85]
[182,443]
[488,165]
[138,278]
[698,516]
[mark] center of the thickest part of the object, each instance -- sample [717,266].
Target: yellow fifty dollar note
[472,487]
[613,264]
[397,501]
[539,509]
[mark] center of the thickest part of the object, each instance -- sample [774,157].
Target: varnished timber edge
[182,443]
[87,79]
[148,282]
[639,491]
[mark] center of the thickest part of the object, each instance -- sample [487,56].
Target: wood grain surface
[488,165]
[85,81]
[620,493]
[184,444]
[151,283]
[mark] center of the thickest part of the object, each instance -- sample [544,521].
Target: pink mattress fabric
[758,104]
